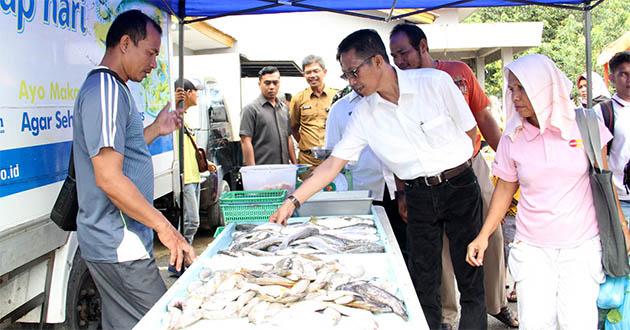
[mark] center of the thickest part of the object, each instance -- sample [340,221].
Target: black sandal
[506,317]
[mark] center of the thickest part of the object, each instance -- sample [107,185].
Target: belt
[440,177]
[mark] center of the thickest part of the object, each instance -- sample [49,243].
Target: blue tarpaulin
[218,8]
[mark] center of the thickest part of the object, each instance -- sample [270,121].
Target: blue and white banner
[50,46]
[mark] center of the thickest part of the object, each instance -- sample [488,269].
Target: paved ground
[204,238]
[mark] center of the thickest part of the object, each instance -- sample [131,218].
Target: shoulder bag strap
[589,128]
[191,139]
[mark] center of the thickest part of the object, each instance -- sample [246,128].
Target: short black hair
[288,97]
[413,32]
[132,23]
[267,70]
[365,43]
[618,59]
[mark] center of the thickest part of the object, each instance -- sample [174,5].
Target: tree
[563,35]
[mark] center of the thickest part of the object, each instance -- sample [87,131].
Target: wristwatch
[295,201]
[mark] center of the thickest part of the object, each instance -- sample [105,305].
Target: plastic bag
[619,318]
[611,292]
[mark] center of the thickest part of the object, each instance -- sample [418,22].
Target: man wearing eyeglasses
[265,135]
[419,125]
[309,110]
[409,49]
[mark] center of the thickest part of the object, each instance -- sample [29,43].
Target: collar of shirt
[262,101]
[620,101]
[325,92]
[405,86]
[353,96]
[531,132]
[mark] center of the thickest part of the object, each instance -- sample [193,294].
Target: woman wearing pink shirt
[556,254]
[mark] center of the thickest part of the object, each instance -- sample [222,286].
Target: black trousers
[454,206]
[398,225]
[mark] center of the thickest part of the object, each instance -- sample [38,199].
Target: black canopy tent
[204,10]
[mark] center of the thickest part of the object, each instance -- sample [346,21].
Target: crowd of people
[419,122]
[409,131]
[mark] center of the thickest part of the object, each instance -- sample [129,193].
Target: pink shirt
[556,206]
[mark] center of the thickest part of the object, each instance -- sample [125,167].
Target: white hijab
[548,90]
[598,85]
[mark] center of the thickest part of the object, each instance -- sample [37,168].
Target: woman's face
[519,97]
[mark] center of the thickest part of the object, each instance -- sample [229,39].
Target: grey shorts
[128,290]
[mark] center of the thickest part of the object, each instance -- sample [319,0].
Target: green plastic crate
[253,197]
[247,213]
[218,231]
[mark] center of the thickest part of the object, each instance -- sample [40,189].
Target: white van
[48,48]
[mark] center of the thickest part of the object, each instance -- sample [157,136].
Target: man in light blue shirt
[368,173]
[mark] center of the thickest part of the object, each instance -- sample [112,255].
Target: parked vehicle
[49,51]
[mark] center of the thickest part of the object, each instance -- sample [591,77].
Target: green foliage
[563,35]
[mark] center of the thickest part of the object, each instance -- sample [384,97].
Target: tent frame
[586,8]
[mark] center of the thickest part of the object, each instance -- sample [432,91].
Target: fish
[376,295]
[229,253]
[319,244]
[205,274]
[257,314]
[299,287]
[244,298]
[256,252]
[248,307]
[271,226]
[327,235]
[305,232]
[374,308]
[272,280]
[244,226]
[368,247]
[332,314]
[273,290]
[304,288]
[267,242]
[173,315]
[343,300]
[283,266]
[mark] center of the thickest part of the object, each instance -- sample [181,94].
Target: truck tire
[83,301]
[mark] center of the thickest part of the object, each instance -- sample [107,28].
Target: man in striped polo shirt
[114,173]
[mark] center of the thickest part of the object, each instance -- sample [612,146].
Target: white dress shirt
[620,150]
[368,172]
[423,135]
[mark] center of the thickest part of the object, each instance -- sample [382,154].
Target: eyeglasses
[354,73]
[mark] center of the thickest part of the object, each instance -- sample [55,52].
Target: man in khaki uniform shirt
[309,110]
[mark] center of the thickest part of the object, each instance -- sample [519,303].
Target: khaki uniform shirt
[309,113]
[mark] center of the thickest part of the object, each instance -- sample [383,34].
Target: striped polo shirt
[105,116]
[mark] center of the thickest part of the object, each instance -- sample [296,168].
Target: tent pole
[180,17]
[589,55]
[391,11]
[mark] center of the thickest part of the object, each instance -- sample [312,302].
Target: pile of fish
[325,235]
[292,291]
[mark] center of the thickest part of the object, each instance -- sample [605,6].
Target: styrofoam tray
[329,203]
[388,266]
